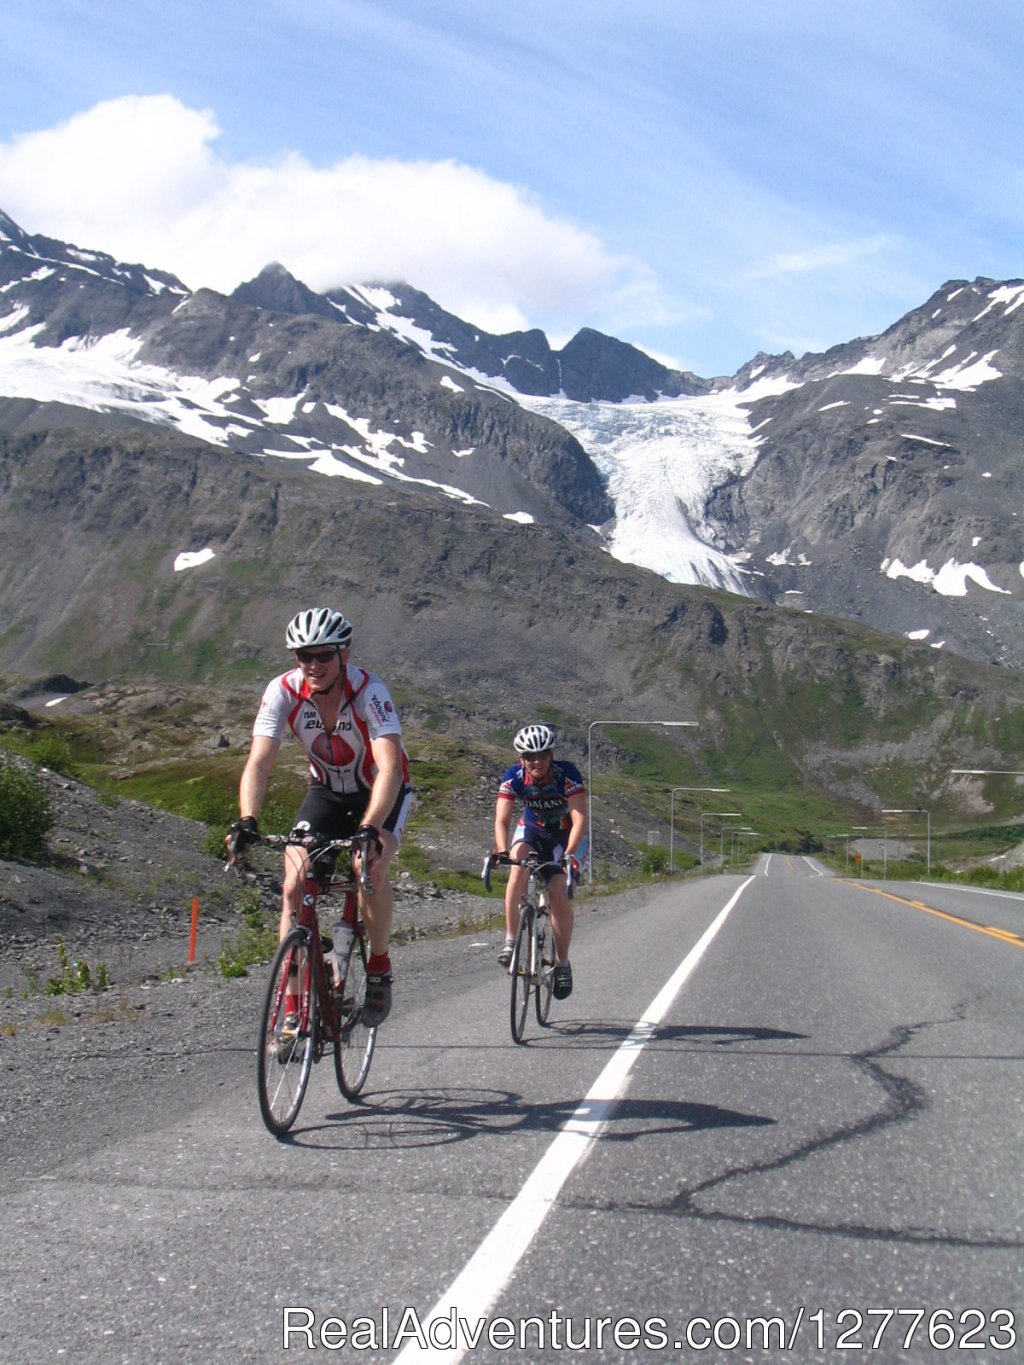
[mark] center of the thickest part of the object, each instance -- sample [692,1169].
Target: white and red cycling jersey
[341,760]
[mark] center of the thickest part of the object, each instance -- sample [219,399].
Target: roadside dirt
[119,890]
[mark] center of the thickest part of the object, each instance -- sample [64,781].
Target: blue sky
[704,178]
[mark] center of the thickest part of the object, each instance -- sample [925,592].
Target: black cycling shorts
[337,815]
[549,845]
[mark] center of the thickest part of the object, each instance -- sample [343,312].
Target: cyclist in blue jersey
[553,823]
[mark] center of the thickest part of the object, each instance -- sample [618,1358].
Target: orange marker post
[192,934]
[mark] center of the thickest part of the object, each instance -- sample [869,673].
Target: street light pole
[847,838]
[722,814]
[919,810]
[866,829]
[745,833]
[670,724]
[721,841]
[988,772]
[672,817]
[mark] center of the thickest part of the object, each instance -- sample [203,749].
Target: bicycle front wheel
[522,973]
[545,969]
[286,1042]
[353,1050]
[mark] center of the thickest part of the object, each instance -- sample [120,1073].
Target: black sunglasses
[315,656]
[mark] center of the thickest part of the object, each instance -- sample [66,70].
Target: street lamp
[988,772]
[672,817]
[919,810]
[847,838]
[721,840]
[737,840]
[863,829]
[723,814]
[670,724]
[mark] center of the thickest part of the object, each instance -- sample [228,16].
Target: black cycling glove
[243,833]
[372,833]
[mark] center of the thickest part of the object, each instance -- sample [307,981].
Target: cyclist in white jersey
[359,773]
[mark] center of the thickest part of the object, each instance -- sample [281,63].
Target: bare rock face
[261,452]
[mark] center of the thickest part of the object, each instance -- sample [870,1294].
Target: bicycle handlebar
[318,846]
[533,862]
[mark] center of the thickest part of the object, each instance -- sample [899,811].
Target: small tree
[25,816]
[654,861]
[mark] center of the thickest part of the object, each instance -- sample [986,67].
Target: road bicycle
[532,967]
[311,1006]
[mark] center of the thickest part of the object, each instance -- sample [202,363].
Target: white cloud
[138,177]
[827,258]
[114,170]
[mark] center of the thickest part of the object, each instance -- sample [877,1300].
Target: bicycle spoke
[545,968]
[522,980]
[286,1042]
[353,1052]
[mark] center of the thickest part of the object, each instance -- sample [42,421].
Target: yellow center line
[1004,934]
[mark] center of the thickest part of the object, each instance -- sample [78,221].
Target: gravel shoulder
[118,894]
[119,890]
[165,1036]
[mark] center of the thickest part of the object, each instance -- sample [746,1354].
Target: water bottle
[343,935]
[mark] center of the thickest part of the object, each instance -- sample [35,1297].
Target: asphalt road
[780,1117]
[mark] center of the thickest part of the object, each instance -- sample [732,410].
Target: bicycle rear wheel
[522,979]
[284,1057]
[353,1051]
[545,969]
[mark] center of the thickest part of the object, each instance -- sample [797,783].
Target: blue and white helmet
[318,626]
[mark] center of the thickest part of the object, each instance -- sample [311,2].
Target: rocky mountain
[880,481]
[180,471]
[889,479]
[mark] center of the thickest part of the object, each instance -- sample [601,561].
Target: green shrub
[1010,880]
[256,941]
[75,977]
[25,815]
[654,861]
[53,751]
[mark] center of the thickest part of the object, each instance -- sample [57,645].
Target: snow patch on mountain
[191,559]
[103,375]
[966,375]
[382,301]
[950,580]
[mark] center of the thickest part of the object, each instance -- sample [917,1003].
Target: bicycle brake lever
[361,843]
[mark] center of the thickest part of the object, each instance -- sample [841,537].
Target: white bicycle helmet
[318,626]
[534,739]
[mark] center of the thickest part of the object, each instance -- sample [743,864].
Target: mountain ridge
[323,455]
[824,702]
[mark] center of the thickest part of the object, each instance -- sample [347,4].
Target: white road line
[475,1290]
[977,890]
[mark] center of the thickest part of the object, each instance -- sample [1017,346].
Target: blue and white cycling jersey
[545,805]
